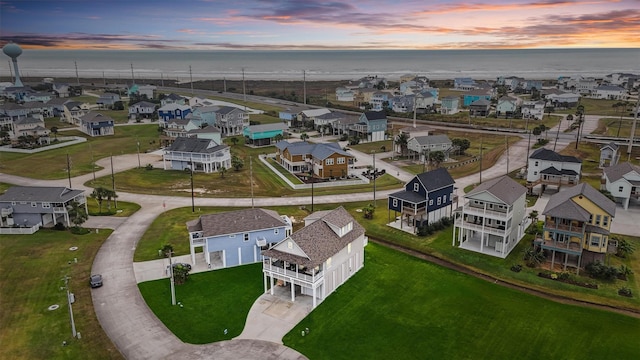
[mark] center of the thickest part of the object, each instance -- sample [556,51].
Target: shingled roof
[504,188]
[195,145]
[617,172]
[234,222]
[40,194]
[550,155]
[318,241]
[562,205]
[436,179]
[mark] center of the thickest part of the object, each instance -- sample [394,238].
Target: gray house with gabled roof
[623,182]
[492,217]
[427,198]
[318,258]
[419,146]
[95,124]
[199,155]
[237,237]
[32,207]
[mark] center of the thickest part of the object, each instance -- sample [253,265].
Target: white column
[271,284]
[264,280]
[193,254]
[293,291]
[314,297]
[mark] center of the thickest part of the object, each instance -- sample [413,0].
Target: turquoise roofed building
[264,135]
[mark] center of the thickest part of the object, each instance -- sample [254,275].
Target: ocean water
[325,64]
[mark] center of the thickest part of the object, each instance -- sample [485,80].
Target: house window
[605,221]
[328,162]
[535,173]
[246,237]
[535,164]
[621,189]
[232,236]
[590,219]
[416,187]
[328,263]
[451,197]
[395,202]
[34,204]
[290,244]
[340,160]
[349,248]
[598,218]
[46,205]
[430,202]
[439,200]
[444,199]
[595,240]
[276,231]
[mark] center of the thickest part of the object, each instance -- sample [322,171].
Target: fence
[65,141]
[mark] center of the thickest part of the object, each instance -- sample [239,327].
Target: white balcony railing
[274,270]
[486,229]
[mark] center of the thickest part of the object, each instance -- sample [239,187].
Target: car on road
[95,280]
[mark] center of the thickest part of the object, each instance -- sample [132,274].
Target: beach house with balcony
[325,160]
[318,258]
[264,134]
[608,155]
[507,106]
[548,168]
[199,155]
[237,237]
[531,109]
[492,218]
[427,198]
[173,111]
[95,124]
[32,207]
[449,105]
[577,221]
[142,110]
[420,146]
[623,182]
[371,126]
[231,120]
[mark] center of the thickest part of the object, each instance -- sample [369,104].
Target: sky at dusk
[313,24]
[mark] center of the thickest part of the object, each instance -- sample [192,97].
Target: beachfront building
[173,99]
[198,155]
[381,100]
[464,84]
[107,100]
[531,109]
[207,132]
[25,128]
[576,228]
[264,134]
[420,146]
[290,116]
[492,218]
[318,258]
[623,182]
[142,110]
[95,124]
[32,207]
[561,99]
[324,123]
[480,107]
[507,106]
[173,111]
[608,155]
[324,160]
[371,126]
[236,237]
[547,167]
[472,96]
[427,198]
[141,91]
[449,105]
[231,120]
[610,92]
[344,94]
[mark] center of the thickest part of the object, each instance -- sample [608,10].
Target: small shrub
[625,291]
[60,226]
[77,230]
[516,268]
[149,167]
[564,276]
[554,276]
[601,271]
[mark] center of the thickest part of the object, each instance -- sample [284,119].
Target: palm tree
[402,140]
[222,171]
[234,140]
[533,215]
[99,194]
[278,138]
[77,213]
[436,158]
[54,131]
[236,162]
[304,136]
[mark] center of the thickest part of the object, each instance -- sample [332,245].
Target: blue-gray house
[371,126]
[427,198]
[237,237]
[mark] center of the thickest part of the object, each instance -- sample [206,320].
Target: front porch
[298,279]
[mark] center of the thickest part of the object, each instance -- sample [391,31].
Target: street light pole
[580,110]
[193,204]
[374,178]
[138,143]
[172,281]
[73,324]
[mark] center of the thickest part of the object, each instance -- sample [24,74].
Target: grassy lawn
[211,302]
[376,146]
[124,208]
[55,121]
[616,127]
[118,116]
[32,268]
[417,309]
[52,164]
[265,119]
[597,106]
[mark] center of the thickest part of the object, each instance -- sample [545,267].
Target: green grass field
[399,307]
[32,269]
[211,302]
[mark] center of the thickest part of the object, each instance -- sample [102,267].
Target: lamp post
[172,281]
[138,144]
[313,180]
[580,113]
[374,177]
[193,204]
[73,324]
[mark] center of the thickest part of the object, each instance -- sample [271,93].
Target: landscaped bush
[533,257]
[60,226]
[429,229]
[601,271]
[566,280]
[625,291]
[516,268]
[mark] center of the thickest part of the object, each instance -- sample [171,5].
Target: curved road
[119,306]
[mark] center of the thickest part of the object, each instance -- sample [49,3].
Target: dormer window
[416,187]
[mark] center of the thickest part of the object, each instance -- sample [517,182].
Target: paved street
[135,330]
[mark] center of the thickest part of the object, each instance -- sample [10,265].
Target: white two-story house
[492,218]
[623,182]
[318,258]
[547,167]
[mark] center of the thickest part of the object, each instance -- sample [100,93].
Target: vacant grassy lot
[399,307]
[211,302]
[124,208]
[597,107]
[52,164]
[616,127]
[33,268]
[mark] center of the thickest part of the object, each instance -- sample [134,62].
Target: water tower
[12,50]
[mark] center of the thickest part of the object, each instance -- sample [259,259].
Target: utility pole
[113,183]
[138,144]
[244,91]
[224,84]
[251,178]
[480,160]
[172,281]
[580,114]
[162,79]
[69,295]
[193,202]
[77,77]
[557,136]
[506,140]
[133,79]
[69,170]
[374,178]
[104,79]
[633,129]
[191,79]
